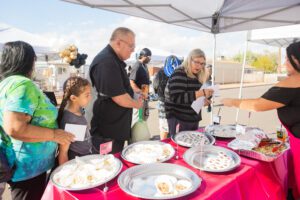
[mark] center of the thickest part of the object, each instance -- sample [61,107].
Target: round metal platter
[212,158]
[86,159]
[193,138]
[139,181]
[222,131]
[143,158]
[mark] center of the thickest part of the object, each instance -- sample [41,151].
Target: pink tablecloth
[251,180]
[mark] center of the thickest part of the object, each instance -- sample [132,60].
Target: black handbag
[6,171]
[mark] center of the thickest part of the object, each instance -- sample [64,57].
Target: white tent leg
[242,75]
[213,76]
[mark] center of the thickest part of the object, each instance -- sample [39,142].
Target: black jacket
[179,95]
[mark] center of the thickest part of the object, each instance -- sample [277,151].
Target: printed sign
[216,120]
[105,148]
[77,130]
[240,129]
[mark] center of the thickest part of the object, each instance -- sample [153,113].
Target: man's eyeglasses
[131,46]
[199,63]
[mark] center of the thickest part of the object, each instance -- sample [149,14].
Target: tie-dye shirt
[20,94]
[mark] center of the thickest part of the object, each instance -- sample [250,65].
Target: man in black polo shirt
[112,110]
[139,79]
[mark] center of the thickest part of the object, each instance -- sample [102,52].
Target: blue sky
[40,16]
[63,23]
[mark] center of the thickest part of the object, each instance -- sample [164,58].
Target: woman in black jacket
[183,88]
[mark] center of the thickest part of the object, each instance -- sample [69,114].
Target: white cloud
[165,36]
[153,34]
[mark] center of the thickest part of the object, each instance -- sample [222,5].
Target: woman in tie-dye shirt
[28,127]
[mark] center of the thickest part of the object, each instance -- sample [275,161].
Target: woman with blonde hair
[182,89]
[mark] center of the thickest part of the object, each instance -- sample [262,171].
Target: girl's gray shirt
[79,147]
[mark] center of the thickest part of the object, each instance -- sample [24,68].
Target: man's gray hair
[119,32]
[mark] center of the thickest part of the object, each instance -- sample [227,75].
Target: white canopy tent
[278,37]
[214,16]
[40,45]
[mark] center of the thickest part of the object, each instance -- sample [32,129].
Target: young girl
[77,95]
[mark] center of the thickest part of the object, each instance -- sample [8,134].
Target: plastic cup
[281,134]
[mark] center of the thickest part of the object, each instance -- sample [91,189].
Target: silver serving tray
[197,157]
[86,158]
[180,137]
[139,181]
[211,129]
[127,149]
[260,156]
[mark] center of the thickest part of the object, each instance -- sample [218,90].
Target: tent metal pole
[213,76]
[279,60]
[242,75]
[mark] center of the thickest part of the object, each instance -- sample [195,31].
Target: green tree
[240,56]
[275,59]
[266,62]
[263,63]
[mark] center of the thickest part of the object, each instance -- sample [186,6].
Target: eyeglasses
[131,46]
[199,63]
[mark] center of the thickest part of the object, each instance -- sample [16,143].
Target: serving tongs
[268,141]
[276,148]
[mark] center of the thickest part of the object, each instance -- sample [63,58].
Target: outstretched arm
[259,104]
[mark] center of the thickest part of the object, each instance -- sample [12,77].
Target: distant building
[228,72]
[231,72]
[52,75]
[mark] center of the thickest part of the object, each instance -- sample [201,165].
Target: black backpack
[159,84]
